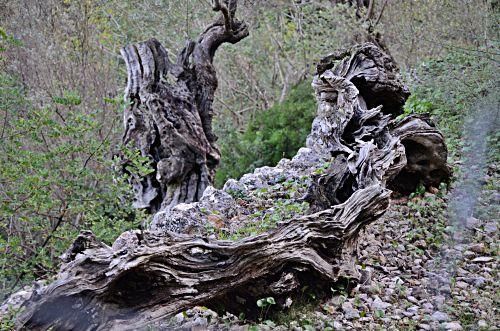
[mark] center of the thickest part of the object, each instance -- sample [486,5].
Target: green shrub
[56,178]
[270,136]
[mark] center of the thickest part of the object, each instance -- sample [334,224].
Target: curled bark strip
[373,72]
[352,154]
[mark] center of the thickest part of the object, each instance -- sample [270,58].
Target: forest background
[62,82]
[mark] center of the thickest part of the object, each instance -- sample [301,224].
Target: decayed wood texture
[132,286]
[170,114]
[148,276]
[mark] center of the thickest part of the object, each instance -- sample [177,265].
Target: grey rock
[424,326]
[490,227]
[365,298]
[482,324]
[439,300]
[478,248]
[439,316]
[349,311]
[366,276]
[337,325]
[179,318]
[412,299]
[378,304]
[483,259]
[413,310]
[233,186]
[472,223]
[200,321]
[420,292]
[428,306]
[452,326]
[446,289]
[479,281]
[469,254]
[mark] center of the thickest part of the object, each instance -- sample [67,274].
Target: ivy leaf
[271,301]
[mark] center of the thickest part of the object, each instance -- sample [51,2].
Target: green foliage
[7,321]
[272,135]
[264,304]
[301,312]
[262,222]
[428,209]
[419,191]
[136,164]
[414,105]
[69,98]
[379,313]
[448,87]
[6,41]
[56,177]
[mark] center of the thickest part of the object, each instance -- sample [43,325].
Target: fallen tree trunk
[267,234]
[129,287]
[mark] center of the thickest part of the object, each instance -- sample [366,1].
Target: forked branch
[228,20]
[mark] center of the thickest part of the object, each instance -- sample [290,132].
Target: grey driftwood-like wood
[148,276]
[170,114]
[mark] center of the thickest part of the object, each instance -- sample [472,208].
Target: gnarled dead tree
[354,152]
[170,114]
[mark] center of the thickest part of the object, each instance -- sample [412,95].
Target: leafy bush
[270,136]
[56,177]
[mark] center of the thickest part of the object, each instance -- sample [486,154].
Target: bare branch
[369,12]
[228,20]
[380,14]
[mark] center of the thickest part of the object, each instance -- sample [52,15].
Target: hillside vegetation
[61,91]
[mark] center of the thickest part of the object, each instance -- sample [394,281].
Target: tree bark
[170,114]
[354,152]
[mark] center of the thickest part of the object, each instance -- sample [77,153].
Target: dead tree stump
[170,114]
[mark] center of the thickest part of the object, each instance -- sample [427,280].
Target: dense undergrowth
[270,136]
[56,178]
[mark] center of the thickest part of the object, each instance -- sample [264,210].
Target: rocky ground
[422,269]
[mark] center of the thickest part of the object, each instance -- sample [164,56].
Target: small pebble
[439,316]
[483,259]
[452,326]
[482,324]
